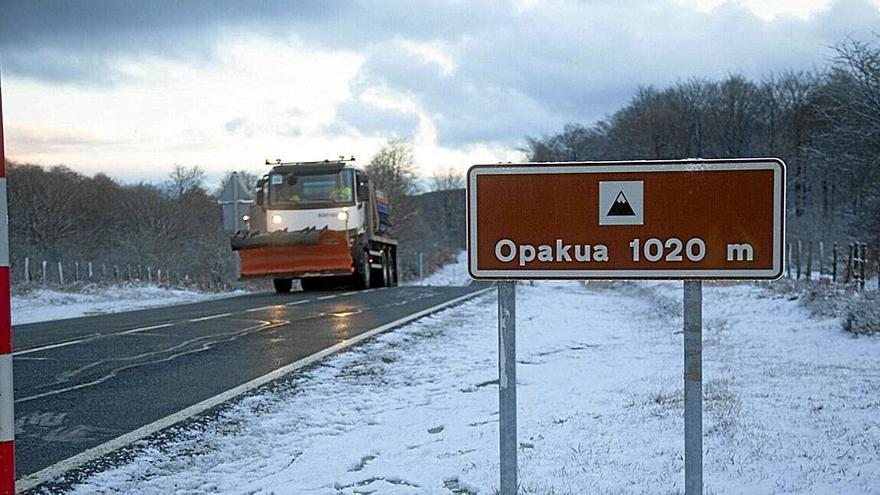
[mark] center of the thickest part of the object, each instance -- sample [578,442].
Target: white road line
[325,297]
[137,330]
[294,303]
[205,318]
[144,329]
[50,346]
[261,308]
[349,293]
[59,468]
[86,339]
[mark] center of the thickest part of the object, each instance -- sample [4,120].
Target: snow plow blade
[303,253]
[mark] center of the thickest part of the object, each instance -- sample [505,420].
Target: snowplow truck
[323,223]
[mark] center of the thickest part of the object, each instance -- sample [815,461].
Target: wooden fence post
[809,260]
[60,273]
[44,273]
[877,269]
[798,260]
[821,258]
[834,263]
[863,262]
[76,271]
[149,275]
[788,261]
[91,274]
[27,269]
[849,264]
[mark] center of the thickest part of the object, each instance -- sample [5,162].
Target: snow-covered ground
[792,405]
[48,304]
[449,275]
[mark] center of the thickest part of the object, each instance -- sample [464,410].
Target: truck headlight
[342,216]
[246,218]
[276,219]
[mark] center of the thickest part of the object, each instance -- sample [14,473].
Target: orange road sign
[688,219]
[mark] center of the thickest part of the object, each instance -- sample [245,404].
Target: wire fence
[418,265]
[66,274]
[851,264]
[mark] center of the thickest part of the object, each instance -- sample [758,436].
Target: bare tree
[393,171]
[449,200]
[447,180]
[182,179]
[247,178]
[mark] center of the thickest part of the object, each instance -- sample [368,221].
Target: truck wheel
[311,284]
[387,281]
[282,285]
[365,277]
[392,262]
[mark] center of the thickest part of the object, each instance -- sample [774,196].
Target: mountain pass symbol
[621,202]
[621,207]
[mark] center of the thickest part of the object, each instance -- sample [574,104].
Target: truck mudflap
[308,252]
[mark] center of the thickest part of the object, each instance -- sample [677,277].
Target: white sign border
[774,164]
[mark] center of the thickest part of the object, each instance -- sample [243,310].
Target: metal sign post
[693,387]
[507,385]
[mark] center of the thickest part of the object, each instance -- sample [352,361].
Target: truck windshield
[289,190]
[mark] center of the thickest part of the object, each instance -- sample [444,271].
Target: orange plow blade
[330,255]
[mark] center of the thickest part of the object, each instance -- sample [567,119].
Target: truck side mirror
[363,187]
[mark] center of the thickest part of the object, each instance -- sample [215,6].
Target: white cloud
[176,113]
[767,10]
[431,52]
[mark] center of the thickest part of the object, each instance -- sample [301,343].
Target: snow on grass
[792,405]
[453,274]
[48,304]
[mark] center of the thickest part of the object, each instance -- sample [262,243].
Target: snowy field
[449,275]
[792,405]
[47,304]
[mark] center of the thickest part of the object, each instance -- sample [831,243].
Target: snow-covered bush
[863,315]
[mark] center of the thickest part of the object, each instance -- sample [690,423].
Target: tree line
[60,215]
[825,125]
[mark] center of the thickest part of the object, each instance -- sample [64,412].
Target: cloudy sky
[131,88]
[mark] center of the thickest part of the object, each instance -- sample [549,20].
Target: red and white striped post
[7,423]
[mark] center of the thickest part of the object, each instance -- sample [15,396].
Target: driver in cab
[291,183]
[342,192]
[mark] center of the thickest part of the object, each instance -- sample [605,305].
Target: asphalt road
[84,381]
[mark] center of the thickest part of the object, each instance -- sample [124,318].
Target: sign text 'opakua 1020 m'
[689,219]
